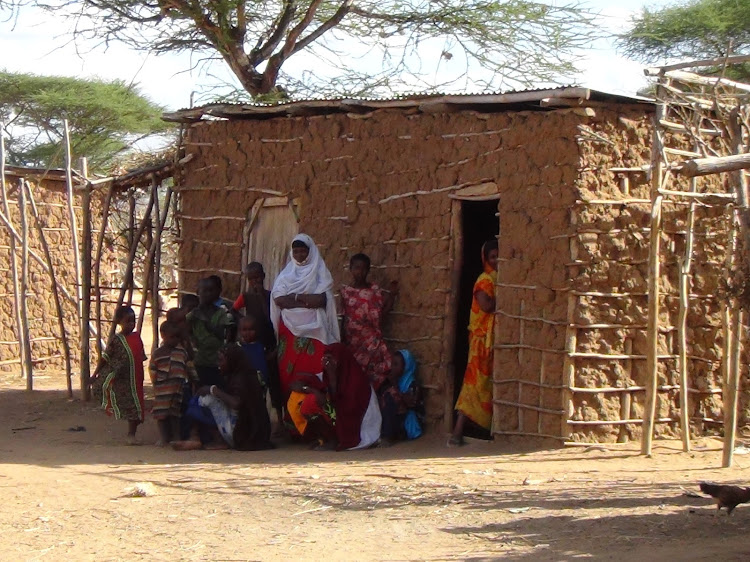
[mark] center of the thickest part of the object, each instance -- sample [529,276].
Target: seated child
[170,371]
[401,400]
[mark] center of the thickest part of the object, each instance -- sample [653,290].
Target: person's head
[300,251]
[170,333]
[359,267]
[189,302]
[490,253]
[248,328]
[397,365]
[217,280]
[255,275]
[208,290]
[232,359]
[125,318]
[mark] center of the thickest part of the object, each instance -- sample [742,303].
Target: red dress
[363,314]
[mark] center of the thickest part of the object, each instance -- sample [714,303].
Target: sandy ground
[63,496]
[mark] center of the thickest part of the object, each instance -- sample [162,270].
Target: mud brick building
[418,183]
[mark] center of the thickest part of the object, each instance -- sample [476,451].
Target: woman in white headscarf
[303,311]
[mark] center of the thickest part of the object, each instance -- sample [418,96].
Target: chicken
[726,496]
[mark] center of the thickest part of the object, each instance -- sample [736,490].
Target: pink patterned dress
[363,313]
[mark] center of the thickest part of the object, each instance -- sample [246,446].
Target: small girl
[118,379]
[170,369]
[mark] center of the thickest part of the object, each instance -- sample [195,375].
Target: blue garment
[408,380]
[257,355]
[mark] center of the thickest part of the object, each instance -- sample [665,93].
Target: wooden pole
[715,165]
[571,342]
[71,212]
[55,292]
[25,286]
[85,286]
[98,264]
[455,263]
[684,284]
[652,360]
[147,270]
[155,306]
[732,381]
[17,296]
[128,276]
[129,281]
[625,397]
[732,389]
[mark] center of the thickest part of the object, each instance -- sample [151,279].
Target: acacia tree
[515,41]
[698,29]
[104,118]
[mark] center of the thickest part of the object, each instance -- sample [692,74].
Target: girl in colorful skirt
[118,380]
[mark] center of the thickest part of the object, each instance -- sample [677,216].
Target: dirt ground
[64,496]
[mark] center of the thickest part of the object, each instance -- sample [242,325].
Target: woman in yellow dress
[475,400]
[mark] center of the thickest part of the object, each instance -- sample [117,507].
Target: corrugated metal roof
[433,102]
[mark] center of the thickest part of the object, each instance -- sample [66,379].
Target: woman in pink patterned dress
[364,305]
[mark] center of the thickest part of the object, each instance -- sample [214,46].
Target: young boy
[257,303]
[170,370]
[208,325]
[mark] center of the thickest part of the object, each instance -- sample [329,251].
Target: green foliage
[104,118]
[696,29]
[512,42]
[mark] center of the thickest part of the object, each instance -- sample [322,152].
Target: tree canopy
[104,118]
[696,29]
[397,42]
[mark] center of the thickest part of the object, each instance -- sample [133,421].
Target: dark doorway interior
[479,223]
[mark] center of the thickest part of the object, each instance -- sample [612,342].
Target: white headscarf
[308,278]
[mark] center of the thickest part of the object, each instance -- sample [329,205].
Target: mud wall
[609,272]
[46,347]
[380,184]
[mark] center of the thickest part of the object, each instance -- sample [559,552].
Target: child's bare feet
[186,445]
[160,443]
[133,440]
[325,446]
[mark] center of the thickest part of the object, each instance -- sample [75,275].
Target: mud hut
[417,183]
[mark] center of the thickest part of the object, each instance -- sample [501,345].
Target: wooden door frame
[485,191]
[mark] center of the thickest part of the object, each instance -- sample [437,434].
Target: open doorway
[479,222]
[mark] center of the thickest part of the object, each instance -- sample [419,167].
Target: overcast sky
[35,43]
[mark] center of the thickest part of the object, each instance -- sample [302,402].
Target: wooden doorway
[268,233]
[474,220]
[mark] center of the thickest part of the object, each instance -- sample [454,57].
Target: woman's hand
[330,365]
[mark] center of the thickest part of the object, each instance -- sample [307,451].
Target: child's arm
[390,297]
[152,371]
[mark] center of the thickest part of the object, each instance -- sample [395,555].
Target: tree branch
[340,14]
[264,51]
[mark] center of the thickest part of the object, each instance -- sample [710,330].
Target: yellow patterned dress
[475,400]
